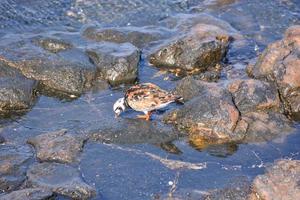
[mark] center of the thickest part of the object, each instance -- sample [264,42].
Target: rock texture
[203,47]
[28,194]
[281,181]
[14,161]
[211,114]
[16,91]
[117,63]
[57,146]
[280,64]
[61,179]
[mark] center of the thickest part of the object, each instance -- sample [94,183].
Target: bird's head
[119,106]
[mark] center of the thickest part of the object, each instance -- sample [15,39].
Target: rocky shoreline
[256,107]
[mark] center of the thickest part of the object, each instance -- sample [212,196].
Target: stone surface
[281,181]
[203,47]
[28,194]
[16,91]
[14,161]
[57,146]
[138,36]
[67,71]
[117,63]
[136,132]
[61,179]
[254,95]
[211,114]
[264,126]
[280,63]
[52,44]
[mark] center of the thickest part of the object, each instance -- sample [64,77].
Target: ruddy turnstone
[145,97]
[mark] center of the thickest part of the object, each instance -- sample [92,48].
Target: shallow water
[129,167]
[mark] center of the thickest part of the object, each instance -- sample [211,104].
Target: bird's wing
[147,96]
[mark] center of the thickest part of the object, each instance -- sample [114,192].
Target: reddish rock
[281,181]
[280,63]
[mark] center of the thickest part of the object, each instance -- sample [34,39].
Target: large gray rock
[16,91]
[211,114]
[117,63]
[61,179]
[14,161]
[57,146]
[28,194]
[254,95]
[67,71]
[281,181]
[203,47]
[280,63]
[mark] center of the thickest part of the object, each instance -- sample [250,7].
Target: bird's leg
[146,117]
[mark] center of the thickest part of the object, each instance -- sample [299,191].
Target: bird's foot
[145,117]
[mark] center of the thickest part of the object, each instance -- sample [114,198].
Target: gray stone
[16,91]
[57,146]
[52,44]
[28,194]
[14,161]
[61,179]
[117,63]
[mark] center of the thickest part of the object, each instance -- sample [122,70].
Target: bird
[145,97]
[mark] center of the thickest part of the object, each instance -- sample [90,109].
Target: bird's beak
[117,115]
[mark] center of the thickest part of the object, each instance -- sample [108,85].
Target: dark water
[132,169]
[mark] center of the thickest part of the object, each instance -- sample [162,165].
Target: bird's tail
[179,100]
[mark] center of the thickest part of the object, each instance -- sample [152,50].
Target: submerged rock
[57,146]
[211,114]
[136,131]
[61,179]
[117,63]
[14,161]
[16,91]
[203,47]
[138,36]
[254,95]
[281,181]
[52,44]
[280,63]
[28,194]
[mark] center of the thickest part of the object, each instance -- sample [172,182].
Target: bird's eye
[118,109]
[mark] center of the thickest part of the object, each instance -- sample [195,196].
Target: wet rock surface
[57,146]
[279,63]
[55,71]
[28,194]
[61,179]
[52,44]
[138,36]
[16,91]
[210,114]
[203,47]
[117,63]
[136,132]
[281,181]
[254,95]
[14,161]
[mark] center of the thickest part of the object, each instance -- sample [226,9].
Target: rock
[254,95]
[61,179]
[280,63]
[138,36]
[263,126]
[117,63]
[28,194]
[136,132]
[281,181]
[16,91]
[67,71]
[203,47]
[57,146]
[14,161]
[211,114]
[52,44]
